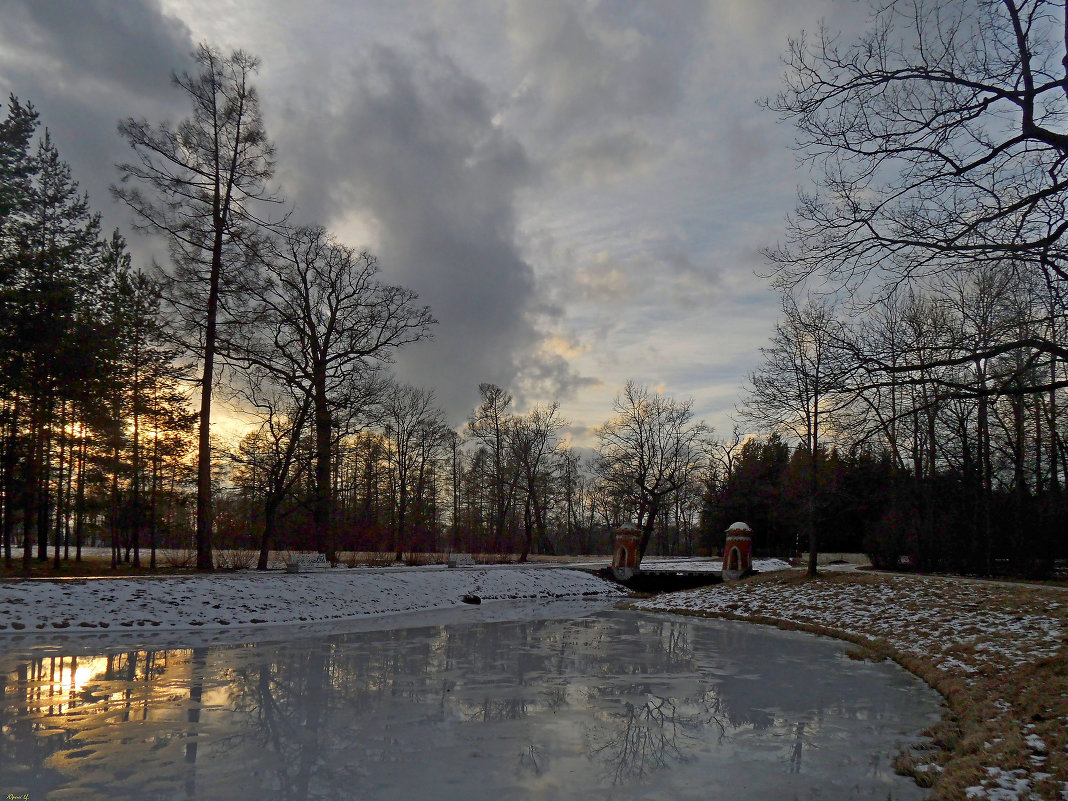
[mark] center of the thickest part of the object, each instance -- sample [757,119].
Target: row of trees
[93,419]
[508,484]
[97,355]
[939,386]
[298,324]
[924,275]
[921,348]
[296,328]
[917,380]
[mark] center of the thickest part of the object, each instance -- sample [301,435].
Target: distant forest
[911,403]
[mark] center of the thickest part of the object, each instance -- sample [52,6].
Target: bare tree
[532,440]
[937,141]
[795,390]
[722,454]
[199,184]
[416,428]
[324,324]
[489,424]
[267,456]
[649,449]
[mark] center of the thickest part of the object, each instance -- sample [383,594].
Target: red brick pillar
[738,552]
[625,553]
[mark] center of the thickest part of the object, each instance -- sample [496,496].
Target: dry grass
[89,567]
[233,559]
[995,652]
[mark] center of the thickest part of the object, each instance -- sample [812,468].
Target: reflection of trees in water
[641,739]
[308,716]
[799,742]
[639,645]
[555,698]
[321,718]
[60,716]
[497,709]
[293,717]
[635,738]
[645,737]
[532,761]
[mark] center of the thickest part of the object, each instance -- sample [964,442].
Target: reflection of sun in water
[74,680]
[81,677]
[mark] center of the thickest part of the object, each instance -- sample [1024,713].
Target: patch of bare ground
[996,653]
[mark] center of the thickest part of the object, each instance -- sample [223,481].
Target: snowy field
[984,645]
[320,596]
[315,595]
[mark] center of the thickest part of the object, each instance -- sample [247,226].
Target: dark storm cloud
[407,145]
[85,64]
[119,42]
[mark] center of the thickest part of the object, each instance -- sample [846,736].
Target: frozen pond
[610,705]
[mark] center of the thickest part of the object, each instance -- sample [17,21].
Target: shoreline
[996,655]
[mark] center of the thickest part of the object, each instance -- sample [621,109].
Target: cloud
[407,140]
[578,188]
[592,62]
[76,43]
[602,280]
[663,275]
[85,65]
[548,373]
[606,157]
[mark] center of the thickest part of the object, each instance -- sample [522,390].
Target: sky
[579,189]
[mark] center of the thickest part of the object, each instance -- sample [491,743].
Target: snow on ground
[963,627]
[204,602]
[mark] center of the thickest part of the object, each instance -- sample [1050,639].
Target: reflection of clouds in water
[617,703]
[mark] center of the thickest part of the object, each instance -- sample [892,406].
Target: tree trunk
[135,522]
[115,504]
[43,478]
[29,493]
[269,510]
[204,509]
[323,429]
[10,484]
[152,502]
[69,507]
[985,481]
[58,530]
[528,531]
[79,509]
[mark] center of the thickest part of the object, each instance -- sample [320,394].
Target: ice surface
[597,704]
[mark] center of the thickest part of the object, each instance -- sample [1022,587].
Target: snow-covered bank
[216,601]
[959,625]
